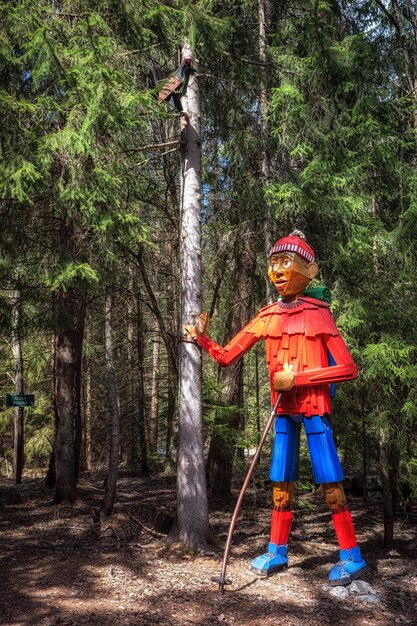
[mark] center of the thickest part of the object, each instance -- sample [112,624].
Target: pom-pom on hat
[295,242]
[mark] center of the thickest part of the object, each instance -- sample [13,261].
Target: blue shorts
[321,446]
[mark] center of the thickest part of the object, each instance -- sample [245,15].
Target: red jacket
[301,334]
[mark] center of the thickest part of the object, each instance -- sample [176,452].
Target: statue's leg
[284,470]
[351,563]
[328,471]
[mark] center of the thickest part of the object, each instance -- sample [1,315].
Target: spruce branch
[154,146]
[142,163]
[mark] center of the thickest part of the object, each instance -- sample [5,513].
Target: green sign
[20,399]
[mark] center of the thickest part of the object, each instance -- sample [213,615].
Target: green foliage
[390,362]
[75,109]
[78,194]
[350,138]
[73,274]
[38,432]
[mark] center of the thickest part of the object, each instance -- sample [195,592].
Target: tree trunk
[265,153]
[107,504]
[171,408]
[394,471]
[16,345]
[88,402]
[78,423]
[70,321]
[386,489]
[172,330]
[130,421]
[257,402]
[191,527]
[141,385]
[154,418]
[50,480]
[364,460]
[384,459]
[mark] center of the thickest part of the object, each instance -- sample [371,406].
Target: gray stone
[360,588]
[297,571]
[370,598]
[339,592]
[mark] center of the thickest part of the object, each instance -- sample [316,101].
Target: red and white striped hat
[294,243]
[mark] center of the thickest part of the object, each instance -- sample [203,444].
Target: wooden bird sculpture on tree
[176,86]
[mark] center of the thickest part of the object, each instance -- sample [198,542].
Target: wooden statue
[306,355]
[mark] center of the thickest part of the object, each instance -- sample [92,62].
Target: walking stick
[222,580]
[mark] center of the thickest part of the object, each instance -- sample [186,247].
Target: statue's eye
[286,264]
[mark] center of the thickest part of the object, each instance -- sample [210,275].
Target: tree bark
[268,224]
[130,430]
[141,385]
[191,526]
[171,408]
[70,319]
[172,324]
[16,345]
[88,402]
[394,472]
[364,459]
[50,480]
[386,489]
[258,406]
[384,447]
[154,418]
[107,504]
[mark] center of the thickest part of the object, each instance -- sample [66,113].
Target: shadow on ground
[56,569]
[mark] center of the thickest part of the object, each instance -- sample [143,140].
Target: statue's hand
[200,328]
[285,380]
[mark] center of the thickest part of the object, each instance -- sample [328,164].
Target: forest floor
[56,568]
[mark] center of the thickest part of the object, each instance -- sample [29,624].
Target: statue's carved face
[290,273]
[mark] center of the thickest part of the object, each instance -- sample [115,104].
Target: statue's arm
[344,368]
[236,348]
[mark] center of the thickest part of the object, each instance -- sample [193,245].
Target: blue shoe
[274,561]
[350,566]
